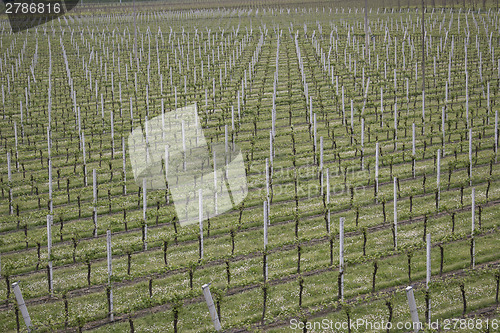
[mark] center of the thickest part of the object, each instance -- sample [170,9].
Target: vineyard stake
[84,160]
[94,191]
[362,144]
[413,309]
[473,245]
[443,117]
[22,305]
[366,95]
[395,213]
[423,64]
[9,170]
[131,113]
[273,117]
[446,92]
[112,135]
[200,215]
[271,148]
[328,199]
[11,199]
[341,256]
[108,252]
[382,107]
[396,124]
[50,185]
[144,207]
[428,268]
[49,248]
[343,106]
[15,138]
[352,115]
[265,237]
[146,130]
[466,94]
[226,142]
[120,91]
[239,106]
[423,112]
[215,183]
[144,199]
[395,79]
[321,153]
[232,118]
[367,38]
[327,186]
[267,179]
[413,148]
[377,153]
[124,167]
[211,307]
[310,110]
[314,137]
[407,95]
[438,167]
[496,135]
[48,140]
[488,100]
[102,108]
[470,156]
[166,172]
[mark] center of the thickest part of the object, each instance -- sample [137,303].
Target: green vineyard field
[355,164]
